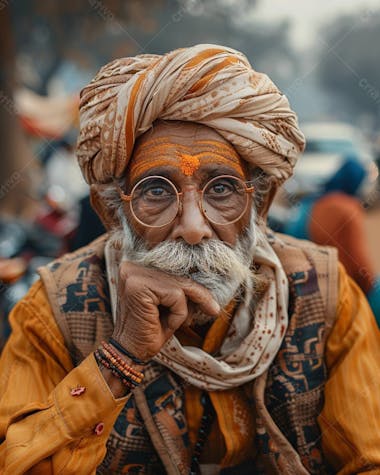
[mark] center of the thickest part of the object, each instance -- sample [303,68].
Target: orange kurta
[230,441]
[48,431]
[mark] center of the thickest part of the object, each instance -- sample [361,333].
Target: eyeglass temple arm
[122,195]
[250,186]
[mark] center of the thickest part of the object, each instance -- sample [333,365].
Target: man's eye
[158,191]
[220,188]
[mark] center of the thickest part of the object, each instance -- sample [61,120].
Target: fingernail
[215,306]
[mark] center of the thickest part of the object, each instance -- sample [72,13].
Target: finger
[198,294]
[194,291]
[175,302]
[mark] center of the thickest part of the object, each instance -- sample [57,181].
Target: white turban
[208,84]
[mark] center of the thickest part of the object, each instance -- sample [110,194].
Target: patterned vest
[150,434]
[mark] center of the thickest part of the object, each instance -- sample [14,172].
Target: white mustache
[212,264]
[180,258]
[222,269]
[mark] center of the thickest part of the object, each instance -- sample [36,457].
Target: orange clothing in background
[47,431]
[337,219]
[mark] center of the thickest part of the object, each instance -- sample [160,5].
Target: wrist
[132,355]
[121,372]
[117,388]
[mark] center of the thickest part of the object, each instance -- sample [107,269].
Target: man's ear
[267,187]
[106,214]
[269,197]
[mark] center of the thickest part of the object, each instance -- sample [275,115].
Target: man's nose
[191,224]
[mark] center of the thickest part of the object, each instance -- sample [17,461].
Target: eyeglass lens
[224,200]
[155,200]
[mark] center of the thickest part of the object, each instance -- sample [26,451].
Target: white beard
[223,270]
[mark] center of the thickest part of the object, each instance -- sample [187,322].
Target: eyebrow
[214,170]
[207,171]
[167,171]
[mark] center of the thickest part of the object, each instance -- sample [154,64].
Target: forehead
[188,148]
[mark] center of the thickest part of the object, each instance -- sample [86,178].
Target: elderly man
[190,338]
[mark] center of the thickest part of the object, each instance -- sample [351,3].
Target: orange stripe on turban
[212,85]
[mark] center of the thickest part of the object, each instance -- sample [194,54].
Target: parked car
[328,145]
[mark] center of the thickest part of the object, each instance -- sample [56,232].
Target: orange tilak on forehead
[188,158]
[189,163]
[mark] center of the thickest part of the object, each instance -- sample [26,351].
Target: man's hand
[152,305]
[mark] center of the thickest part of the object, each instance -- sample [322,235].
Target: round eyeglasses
[155,201]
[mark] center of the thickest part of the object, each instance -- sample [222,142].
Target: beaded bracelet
[125,352]
[129,377]
[127,382]
[124,369]
[114,354]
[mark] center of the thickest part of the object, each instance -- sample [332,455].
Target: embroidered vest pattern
[288,397]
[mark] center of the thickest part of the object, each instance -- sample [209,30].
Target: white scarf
[252,341]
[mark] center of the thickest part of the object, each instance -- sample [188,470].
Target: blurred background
[323,55]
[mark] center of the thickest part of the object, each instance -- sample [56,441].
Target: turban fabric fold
[207,84]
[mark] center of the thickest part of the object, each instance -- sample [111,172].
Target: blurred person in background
[190,338]
[335,217]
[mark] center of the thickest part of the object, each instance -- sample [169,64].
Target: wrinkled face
[189,155]
[217,256]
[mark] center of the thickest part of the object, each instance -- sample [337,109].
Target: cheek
[151,236]
[227,234]
[244,222]
[231,233]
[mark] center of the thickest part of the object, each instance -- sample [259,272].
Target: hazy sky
[308,15]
